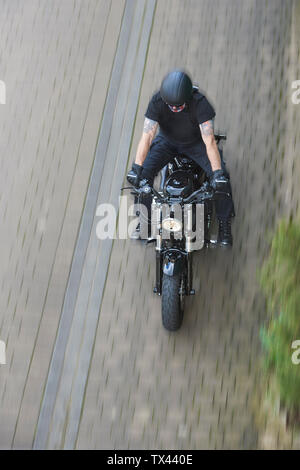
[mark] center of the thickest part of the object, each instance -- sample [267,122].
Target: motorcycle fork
[159,267]
[189,275]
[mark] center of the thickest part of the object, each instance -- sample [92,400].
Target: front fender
[173,266]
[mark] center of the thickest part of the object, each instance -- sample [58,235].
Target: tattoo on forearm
[207,128]
[149,126]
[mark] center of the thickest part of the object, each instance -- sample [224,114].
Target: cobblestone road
[56,60]
[141,387]
[148,388]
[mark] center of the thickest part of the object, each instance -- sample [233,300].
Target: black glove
[219,182]
[134,175]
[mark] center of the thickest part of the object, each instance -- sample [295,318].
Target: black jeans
[162,152]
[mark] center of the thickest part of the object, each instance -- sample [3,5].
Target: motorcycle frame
[163,254]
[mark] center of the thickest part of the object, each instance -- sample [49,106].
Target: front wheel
[172,302]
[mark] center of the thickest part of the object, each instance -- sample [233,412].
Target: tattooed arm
[149,131]
[207,132]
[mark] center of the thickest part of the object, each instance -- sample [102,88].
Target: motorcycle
[181,216]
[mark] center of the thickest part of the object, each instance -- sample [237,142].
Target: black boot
[224,235]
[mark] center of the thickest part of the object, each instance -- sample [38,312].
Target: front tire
[172,302]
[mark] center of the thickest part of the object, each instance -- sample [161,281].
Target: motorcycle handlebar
[149,190]
[207,195]
[197,196]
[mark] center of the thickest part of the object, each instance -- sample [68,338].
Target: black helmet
[176,88]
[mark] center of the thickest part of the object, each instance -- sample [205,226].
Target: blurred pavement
[88,362]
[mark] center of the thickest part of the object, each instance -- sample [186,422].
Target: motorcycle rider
[185,120]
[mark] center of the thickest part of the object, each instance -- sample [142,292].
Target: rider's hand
[218,181]
[145,185]
[134,175]
[145,182]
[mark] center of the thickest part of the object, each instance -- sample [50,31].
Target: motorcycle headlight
[171,225]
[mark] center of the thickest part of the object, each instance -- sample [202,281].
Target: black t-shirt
[182,127]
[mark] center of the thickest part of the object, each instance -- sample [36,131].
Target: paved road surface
[88,363]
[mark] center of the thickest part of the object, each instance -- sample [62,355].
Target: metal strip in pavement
[64,393]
